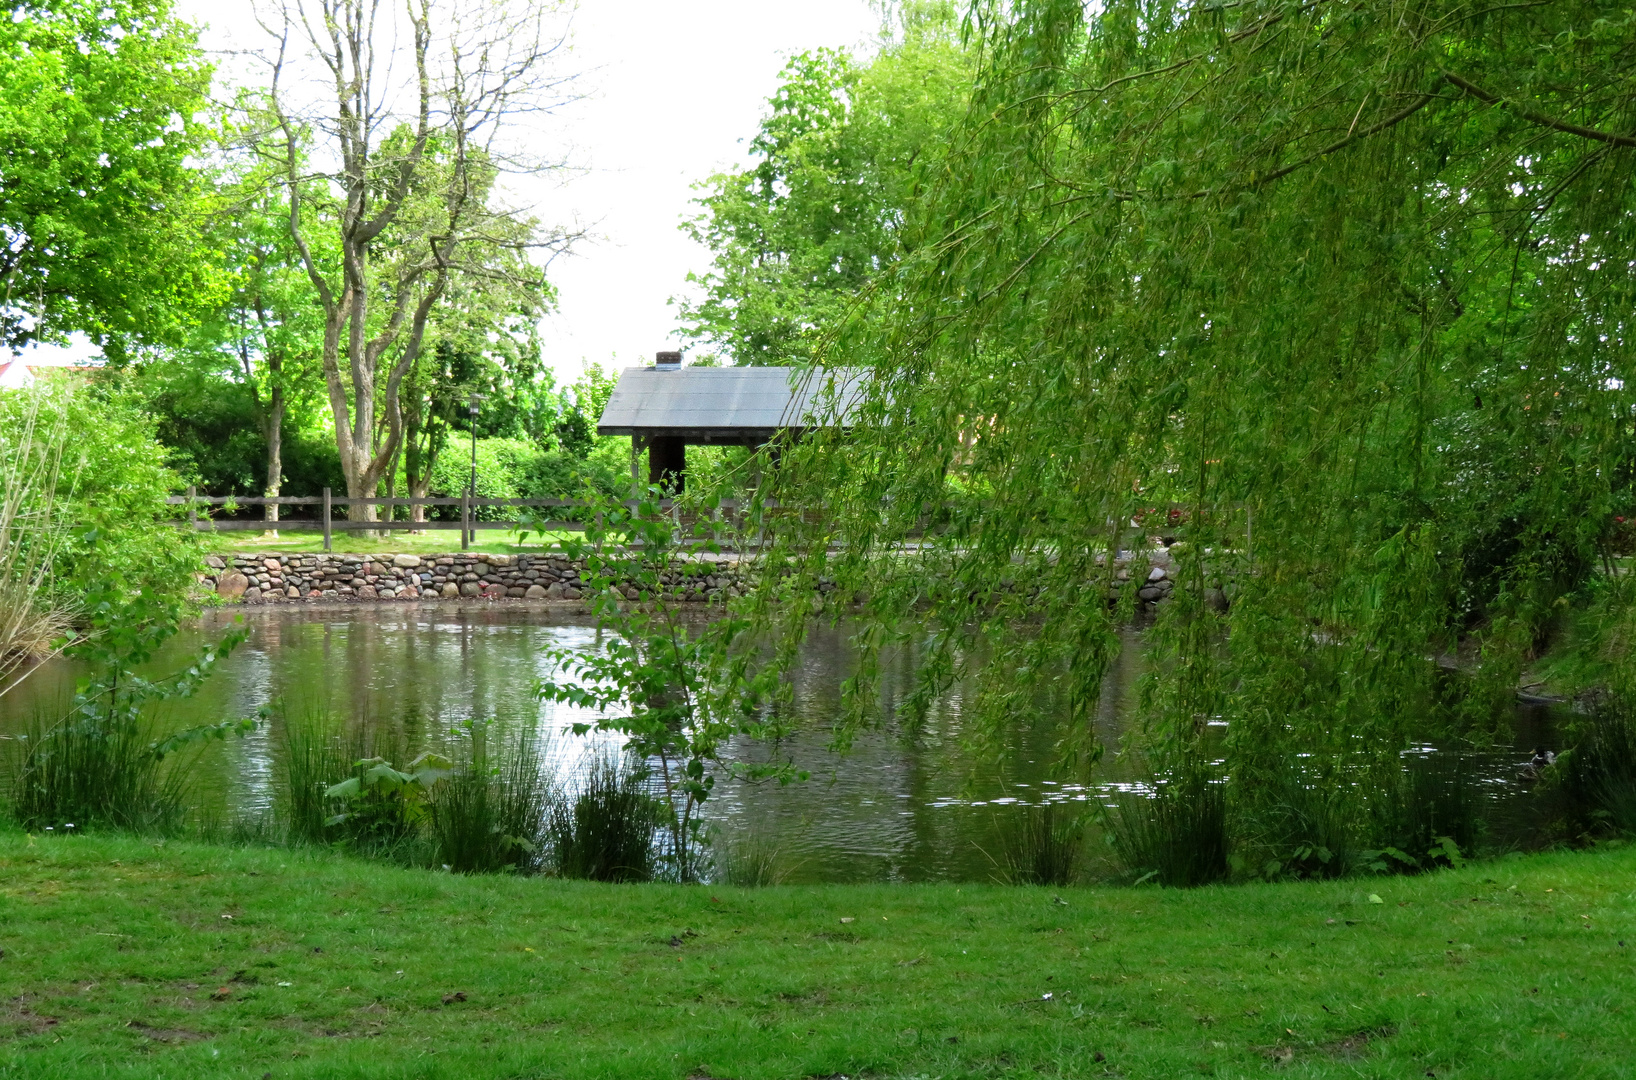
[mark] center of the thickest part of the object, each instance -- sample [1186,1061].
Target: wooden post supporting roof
[666,408]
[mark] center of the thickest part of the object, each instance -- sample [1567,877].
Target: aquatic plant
[749,860]
[83,772]
[1177,836]
[1039,845]
[1431,819]
[379,806]
[607,831]
[1598,774]
[489,815]
[312,761]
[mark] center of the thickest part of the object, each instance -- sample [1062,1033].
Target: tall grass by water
[750,860]
[607,831]
[1039,845]
[33,622]
[482,812]
[1599,774]
[86,770]
[1176,837]
[490,815]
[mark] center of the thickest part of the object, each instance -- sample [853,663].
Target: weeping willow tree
[1347,286]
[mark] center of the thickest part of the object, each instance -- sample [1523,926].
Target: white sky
[673,93]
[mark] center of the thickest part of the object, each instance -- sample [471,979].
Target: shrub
[607,832]
[1177,836]
[32,529]
[491,817]
[1039,845]
[1598,775]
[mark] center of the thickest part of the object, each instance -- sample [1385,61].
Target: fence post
[192,508]
[326,519]
[465,519]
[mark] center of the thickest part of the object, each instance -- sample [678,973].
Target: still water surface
[900,805]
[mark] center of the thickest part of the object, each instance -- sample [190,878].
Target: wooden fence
[328,524]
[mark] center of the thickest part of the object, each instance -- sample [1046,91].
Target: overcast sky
[672,92]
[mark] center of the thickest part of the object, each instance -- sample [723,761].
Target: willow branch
[1537,117]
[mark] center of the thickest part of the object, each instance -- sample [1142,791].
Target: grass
[87,769]
[606,833]
[131,958]
[439,542]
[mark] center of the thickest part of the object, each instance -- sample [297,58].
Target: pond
[901,805]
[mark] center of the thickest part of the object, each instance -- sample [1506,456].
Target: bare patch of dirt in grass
[165,1035]
[18,1021]
[1356,1045]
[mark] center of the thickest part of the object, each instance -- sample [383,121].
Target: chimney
[667,361]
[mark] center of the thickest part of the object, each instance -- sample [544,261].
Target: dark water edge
[902,805]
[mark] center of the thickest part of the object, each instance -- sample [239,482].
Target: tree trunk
[275,457]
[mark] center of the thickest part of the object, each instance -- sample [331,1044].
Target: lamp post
[470,536]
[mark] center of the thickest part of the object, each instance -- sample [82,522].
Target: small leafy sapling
[677,686]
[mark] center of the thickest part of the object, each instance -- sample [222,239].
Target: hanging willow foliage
[1360,274]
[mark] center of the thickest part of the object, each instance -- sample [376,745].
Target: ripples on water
[900,805]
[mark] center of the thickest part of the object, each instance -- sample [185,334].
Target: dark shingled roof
[726,404]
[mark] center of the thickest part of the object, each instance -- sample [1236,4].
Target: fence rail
[326,522]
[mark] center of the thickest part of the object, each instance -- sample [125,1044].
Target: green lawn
[128,958]
[442,541]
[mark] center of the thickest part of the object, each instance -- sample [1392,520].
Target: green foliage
[1040,845]
[33,622]
[380,806]
[842,151]
[83,772]
[582,408]
[749,861]
[312,759]
[121,556]
[607,832]
[489,815]
[1175,837]
[1347,288]
[676,689]
[1598,774]
[98,123]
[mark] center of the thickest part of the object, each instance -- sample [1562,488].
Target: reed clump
[313,760]
[1039,845]
[489,816]
[1433,818]
[1176,837]
[607,831]
[750,861]
[1598,775]
[88,770]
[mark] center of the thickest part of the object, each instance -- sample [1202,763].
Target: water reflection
[904,803]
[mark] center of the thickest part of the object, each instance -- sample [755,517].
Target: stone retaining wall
[290,578]
[265,579]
